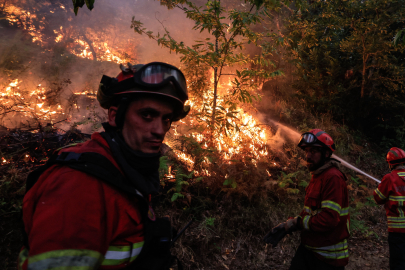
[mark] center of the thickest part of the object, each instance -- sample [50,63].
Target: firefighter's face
[314,158]
[146,122]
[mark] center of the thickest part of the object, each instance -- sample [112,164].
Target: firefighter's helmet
[153,79]
[395,156]
[316,137]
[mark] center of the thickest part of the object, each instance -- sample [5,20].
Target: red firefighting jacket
[75,220]
[325,219]
[391,193]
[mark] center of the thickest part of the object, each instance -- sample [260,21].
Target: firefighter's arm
[328,216]
[68,228]
[382,192]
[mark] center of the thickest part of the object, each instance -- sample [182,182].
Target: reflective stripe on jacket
[325,217]
[391,193]
[75,221]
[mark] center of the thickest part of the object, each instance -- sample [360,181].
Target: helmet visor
[307,139]
[157,73]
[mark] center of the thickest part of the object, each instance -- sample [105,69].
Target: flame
[29,104]
[97,45]
[246,141]
[26,21]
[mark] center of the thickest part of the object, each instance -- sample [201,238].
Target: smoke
[283,132]
[57,54]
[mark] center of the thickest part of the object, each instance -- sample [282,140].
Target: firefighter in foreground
[391,193]
[324,221]
[89,206]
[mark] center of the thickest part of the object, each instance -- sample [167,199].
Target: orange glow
[249,140]
[101,43]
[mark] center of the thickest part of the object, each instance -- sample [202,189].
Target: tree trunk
[365,58]
[214,102]
[363,80]
[90,43]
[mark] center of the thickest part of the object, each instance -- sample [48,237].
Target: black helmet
[155,79]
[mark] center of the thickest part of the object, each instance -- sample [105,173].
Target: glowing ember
[33,104]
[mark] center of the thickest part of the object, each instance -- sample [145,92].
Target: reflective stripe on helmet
[395,156]
[320,133]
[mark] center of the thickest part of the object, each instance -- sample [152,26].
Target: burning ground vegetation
[228,223]
[236,180]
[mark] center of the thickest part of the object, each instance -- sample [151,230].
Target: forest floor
[201,248]
[228,228]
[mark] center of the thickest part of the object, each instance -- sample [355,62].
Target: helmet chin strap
[122,109]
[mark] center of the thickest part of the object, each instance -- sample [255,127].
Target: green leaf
[230,182]
[176,196]
[90,4]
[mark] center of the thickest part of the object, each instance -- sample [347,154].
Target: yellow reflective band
[401,173]
[80,259]
[396,198]
[396,225]
[331,205]
[337,251]
[378,192]
[117,255]
[337,255]
[338,246]
[400,211]
[344,211]
[396,219]
[22,257]
[307,209]
[306,222]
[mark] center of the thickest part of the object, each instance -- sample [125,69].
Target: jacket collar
[328,164]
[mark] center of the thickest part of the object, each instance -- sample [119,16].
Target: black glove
[276,234]
[281,230]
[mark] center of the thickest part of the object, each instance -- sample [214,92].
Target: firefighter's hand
[292,225]
[276,234]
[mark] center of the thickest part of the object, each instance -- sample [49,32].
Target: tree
[222,52]
[348,65]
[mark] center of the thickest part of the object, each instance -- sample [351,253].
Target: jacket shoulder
[96,144]
[334,173]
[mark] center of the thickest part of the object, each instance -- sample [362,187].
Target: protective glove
[275,235]
[292,225]
[281,230]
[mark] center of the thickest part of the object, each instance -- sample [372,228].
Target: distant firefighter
[324,222]
[391,193]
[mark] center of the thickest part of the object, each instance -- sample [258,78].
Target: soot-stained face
[146,123]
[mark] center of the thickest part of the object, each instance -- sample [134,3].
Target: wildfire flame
[250,138]
[87,44]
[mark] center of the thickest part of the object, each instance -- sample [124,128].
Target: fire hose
[347,165]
